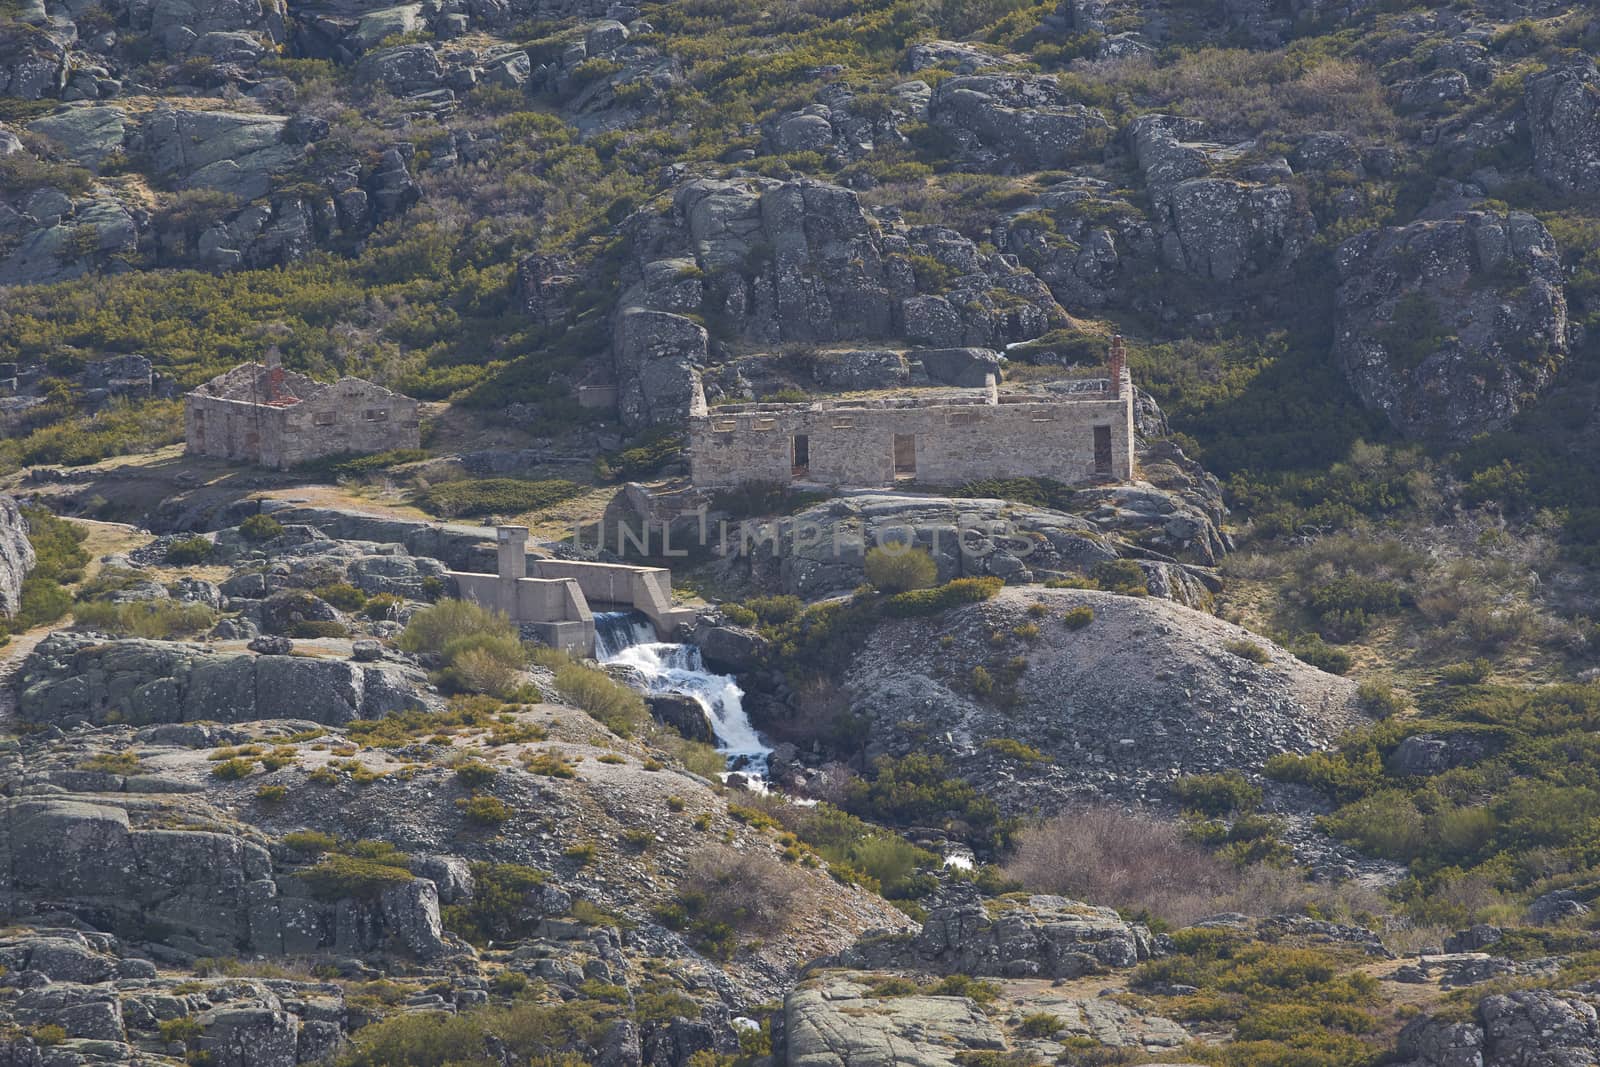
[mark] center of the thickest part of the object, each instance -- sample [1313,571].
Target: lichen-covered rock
[1022,119]
[1214,227]
[1564,116]
[836,1023]
[232,152]
[656,354]
[73,678]
[16,555]
[1121,697]
[1041,937]
[1450,326]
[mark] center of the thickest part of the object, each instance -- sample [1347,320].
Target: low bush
[900,569]
[231,770]
[190,551]
[342,595]
[474,773]
[494,496]
[942,598]
[1077,618]
[337,876]
[1122,576]
[728,894]
[260,527]
[499,908]
[113,763]
[1246,649]
[1015,750]
[481,648]
[151,619]
[1217,794]
[613,704]
[484,810]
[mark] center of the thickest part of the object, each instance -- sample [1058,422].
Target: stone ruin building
[262,414]
[557,601]
[1075,432]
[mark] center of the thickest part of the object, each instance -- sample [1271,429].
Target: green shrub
[619,708]
[151,619]
[1473,672]
[1123,576]
[336,876]
[1040,492]
[1077,618]
[499,908]
[260,527]
[311,842]
[1015,750]
[182,1029]
[272,794]
[382,606]
[233,769]
[919,790]
[1314,650]
[484,810]
[1217,794]
[342,595]
[942,598]
[48,1035]
[113,763]
[494,496]
[474,773]
[1245,649]
[900,569]
[190,551]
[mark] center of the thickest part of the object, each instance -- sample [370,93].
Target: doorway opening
[905,456]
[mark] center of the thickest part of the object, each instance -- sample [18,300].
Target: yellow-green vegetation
[498,909]
[611,703]
[60,561]
[1246,649]
[900,568]
[260,527]
[272,794]
[1077,618]
[1012,749]
[231,770]
[475,773]
[359,869]
[113,763]
[1511,820]
[493,496]
[463,713]
[1285,1005]
[153,619]
[530,1031]
[481,648]
[548,764]
[484,810]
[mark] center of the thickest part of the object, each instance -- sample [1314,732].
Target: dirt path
[11,658]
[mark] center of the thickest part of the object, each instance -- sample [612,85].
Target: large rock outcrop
[800,261]
[1118,699]
[1018,121]
[16,555]
[208,893]
[1452,325]
[1221,227]
[1518,1029]
[1040,937]
[1564,118]
[75,678]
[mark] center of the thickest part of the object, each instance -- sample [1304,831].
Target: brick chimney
[1117,364]
[274,375]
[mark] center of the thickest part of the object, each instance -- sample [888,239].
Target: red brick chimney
[1117,364]
[274,375]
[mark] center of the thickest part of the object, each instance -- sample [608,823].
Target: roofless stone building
[262,414]
[1077,432]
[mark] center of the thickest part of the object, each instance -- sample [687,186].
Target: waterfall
[628,638]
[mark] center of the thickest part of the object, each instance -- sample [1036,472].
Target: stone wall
[946,442]
[230,418]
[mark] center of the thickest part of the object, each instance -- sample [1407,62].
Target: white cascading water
[629,639]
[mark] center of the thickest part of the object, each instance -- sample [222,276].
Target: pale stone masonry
[260,413]
[1081,432]
[558,599]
